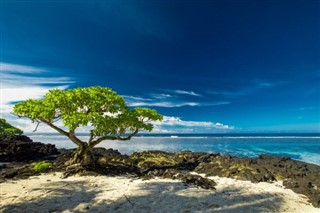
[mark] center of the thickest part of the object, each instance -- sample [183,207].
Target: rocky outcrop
[16,171]
[304,186]
[17,138]
[184,160]
[299,176]
[19,151]
[239,168]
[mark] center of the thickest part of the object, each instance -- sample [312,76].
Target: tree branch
[56,119]
[38,123]
[108,137]
[55,127]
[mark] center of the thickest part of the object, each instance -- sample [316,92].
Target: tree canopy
[7,131]
[99,107]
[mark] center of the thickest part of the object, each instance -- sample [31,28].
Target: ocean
[302,147]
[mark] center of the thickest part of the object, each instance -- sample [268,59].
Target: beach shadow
[175,197]
[54,197]
[150,196]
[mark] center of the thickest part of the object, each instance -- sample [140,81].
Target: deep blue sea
[303,147]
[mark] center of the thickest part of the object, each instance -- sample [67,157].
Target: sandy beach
[50,193]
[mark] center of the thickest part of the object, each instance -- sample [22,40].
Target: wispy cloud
[156,100]
[172,98]
[131,98]
[162,104]
[10,80]
[183,92]
[160,96]
[17,68]
[167,101]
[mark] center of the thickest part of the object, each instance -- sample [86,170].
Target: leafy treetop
[99,107]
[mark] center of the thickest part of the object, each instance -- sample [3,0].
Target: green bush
[41,166]
[7,131]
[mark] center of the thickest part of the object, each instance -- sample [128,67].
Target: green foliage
[99,107]
[41,166]
[7,131]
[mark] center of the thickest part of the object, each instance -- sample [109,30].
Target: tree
[7,131]
[99,107]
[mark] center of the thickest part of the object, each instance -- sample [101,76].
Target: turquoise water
[303,147]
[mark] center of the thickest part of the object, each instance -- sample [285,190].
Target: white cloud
[13,94]
[176,121]
[162,104]
[166,100]
[11,80]
[16,68]
[161,96]
[131,98]
[160,129]
[157,100]
[183,92]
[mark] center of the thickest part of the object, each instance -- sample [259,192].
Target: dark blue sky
[247,65]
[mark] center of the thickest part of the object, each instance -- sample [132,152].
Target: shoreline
[48,193]
[300,177]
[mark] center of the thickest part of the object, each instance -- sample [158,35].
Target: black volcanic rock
[301,177]
[17,138]
[18,151]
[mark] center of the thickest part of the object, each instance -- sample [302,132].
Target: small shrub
[7,131]
[42,166]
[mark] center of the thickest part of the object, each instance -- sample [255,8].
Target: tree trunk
[83,156]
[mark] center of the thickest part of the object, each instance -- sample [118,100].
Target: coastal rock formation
[21,148]
[239,168]
[17,138]
[299,176]
[184,160]
[17,171]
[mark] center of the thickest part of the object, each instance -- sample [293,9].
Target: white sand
[49,193]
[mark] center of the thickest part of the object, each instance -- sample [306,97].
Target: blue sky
[208,66]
